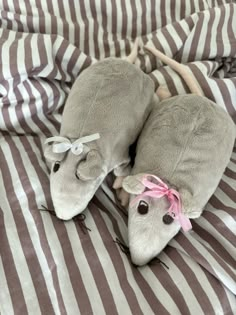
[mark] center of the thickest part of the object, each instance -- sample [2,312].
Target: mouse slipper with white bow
[104,113]
[181,155]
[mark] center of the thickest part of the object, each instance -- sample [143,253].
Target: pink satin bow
[158,191]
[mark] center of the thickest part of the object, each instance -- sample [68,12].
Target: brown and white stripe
[51,267]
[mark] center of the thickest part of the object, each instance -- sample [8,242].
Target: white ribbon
[65,144]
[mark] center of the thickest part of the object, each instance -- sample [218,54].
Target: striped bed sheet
[51,267]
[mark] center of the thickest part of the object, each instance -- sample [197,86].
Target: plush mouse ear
[133,184]
[50,155]
[91,167]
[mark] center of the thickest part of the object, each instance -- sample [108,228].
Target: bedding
[48,266]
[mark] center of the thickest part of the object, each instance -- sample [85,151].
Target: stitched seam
[185,147]
[91,107]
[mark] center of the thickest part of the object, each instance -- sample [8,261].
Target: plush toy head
[155,216]
[185,145]
[73,175]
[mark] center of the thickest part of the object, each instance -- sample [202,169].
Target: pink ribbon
[160,190]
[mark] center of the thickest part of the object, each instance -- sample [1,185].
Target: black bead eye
[167,219]
[56,166]
[143,207]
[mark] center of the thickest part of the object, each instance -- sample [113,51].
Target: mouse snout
[141,254]
[67,211]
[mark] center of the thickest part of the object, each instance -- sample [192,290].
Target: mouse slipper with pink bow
[181,155]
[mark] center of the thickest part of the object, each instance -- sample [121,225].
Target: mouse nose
[63,215]
[66,210]
[141,257]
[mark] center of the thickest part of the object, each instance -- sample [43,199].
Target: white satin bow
[65,144]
